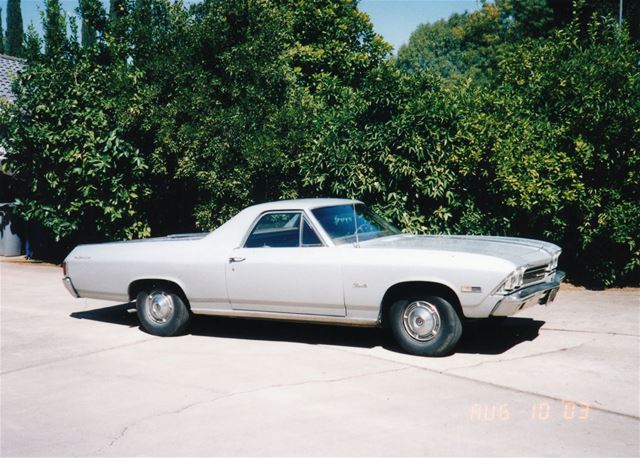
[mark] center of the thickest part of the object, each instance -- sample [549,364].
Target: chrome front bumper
[66,281]
[542,293]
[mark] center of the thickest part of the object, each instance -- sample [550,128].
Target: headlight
[512,282]
[554,262]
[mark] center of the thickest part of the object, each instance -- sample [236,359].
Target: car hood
[517,250]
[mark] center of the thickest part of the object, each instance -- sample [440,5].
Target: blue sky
[393,19]
[396,19]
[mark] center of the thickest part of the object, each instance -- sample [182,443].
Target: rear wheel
[162,312]
[425,325]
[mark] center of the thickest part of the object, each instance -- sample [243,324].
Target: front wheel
[425,325]
[162,312]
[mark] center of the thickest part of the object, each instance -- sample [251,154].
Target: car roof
[302,204]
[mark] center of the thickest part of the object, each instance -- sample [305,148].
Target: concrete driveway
[80,378]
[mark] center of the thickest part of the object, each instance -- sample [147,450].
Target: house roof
[9,67]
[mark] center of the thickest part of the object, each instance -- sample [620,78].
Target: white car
[322,260]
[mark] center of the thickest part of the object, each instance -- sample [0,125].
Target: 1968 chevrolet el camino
[323,260]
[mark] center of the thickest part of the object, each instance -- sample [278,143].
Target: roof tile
[9,67]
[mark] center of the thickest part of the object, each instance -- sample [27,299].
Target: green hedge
[177,117]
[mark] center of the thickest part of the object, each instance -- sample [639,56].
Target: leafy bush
[586,90]
[387,143]
[65,144]
[548,149]
[513,120]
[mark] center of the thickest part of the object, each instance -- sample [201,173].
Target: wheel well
[400,290]
[151,283]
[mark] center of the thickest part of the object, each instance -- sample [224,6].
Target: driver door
[284,267]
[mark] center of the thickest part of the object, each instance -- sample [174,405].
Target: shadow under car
[490,337]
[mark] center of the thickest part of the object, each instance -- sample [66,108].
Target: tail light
[64,268]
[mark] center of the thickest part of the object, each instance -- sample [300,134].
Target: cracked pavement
[78,377]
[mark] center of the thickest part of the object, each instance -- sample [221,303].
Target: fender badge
[471,289]
[359,285]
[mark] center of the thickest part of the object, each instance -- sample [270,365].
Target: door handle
[236,259]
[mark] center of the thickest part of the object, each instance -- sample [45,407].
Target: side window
[280,230]
[309,236]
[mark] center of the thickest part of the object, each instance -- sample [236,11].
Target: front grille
[534,275]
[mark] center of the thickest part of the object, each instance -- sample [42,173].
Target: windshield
[339,223]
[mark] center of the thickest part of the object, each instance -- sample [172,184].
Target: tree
[65,137]
[117,9]
[87,34]
[387,142]
[510,120]
[232,84]
[1,34]
[332,37]
[14,28]
[32,44]
[434,47]
[552,148]
[539,138]
[472,44]
[81,182]
[55,27]
[228,121]
[93,21]
[466,44]
[142,24]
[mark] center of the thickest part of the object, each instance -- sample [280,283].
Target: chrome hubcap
[159,307]
[421,320]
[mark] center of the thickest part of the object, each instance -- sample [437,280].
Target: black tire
[425,325]
[170,316]
[497,320]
